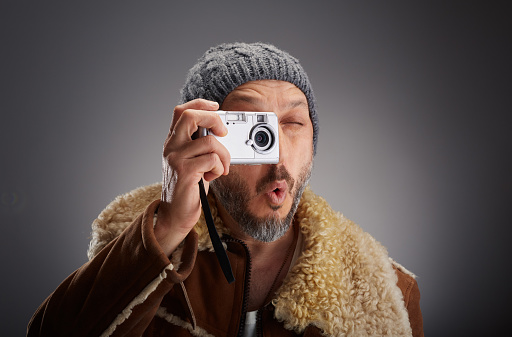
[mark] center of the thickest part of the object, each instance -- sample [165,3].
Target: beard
[233,193]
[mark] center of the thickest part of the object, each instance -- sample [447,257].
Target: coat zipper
[227,238]
[259,323]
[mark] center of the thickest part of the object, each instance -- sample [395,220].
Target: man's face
[262,199]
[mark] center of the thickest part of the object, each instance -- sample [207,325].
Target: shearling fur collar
[343,282]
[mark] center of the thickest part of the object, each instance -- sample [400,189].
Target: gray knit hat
[224,67]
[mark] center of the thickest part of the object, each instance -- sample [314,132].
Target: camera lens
[261,138]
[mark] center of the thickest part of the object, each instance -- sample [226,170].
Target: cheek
[301,162]
[302,150]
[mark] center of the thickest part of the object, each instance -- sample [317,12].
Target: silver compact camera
[252,136]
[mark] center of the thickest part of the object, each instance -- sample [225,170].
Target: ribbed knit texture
[227,66]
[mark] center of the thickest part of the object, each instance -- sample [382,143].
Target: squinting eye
[294,123]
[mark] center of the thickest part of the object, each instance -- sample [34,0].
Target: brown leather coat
[130,288]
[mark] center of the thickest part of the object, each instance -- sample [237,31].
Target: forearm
[120,289]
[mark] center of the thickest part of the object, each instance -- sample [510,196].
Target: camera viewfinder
[261,118]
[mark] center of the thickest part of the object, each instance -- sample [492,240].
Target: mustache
[273,174]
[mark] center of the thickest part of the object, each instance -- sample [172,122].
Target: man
[300,267]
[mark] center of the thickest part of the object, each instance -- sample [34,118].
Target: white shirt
[250,324]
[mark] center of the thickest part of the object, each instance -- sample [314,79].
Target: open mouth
[277,192]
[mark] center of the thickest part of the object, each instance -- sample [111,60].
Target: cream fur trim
[119,214]
[198,332]
[343,282]
[139,299]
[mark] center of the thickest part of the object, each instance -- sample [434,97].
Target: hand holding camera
[184,163]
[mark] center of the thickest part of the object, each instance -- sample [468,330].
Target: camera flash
[235,117]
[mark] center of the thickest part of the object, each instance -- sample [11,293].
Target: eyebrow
[297,103]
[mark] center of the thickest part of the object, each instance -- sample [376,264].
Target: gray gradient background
[415,144]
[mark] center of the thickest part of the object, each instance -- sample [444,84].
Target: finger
[208,165]
[204,145]
[216,170]
[196,104]
[190,120]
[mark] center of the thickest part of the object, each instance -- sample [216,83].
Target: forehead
[266,95]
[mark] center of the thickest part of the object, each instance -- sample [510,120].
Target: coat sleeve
[411,294]
[118,292]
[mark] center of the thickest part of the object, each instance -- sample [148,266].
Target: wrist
[168,230]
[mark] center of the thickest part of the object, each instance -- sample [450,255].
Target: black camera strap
[222,256]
